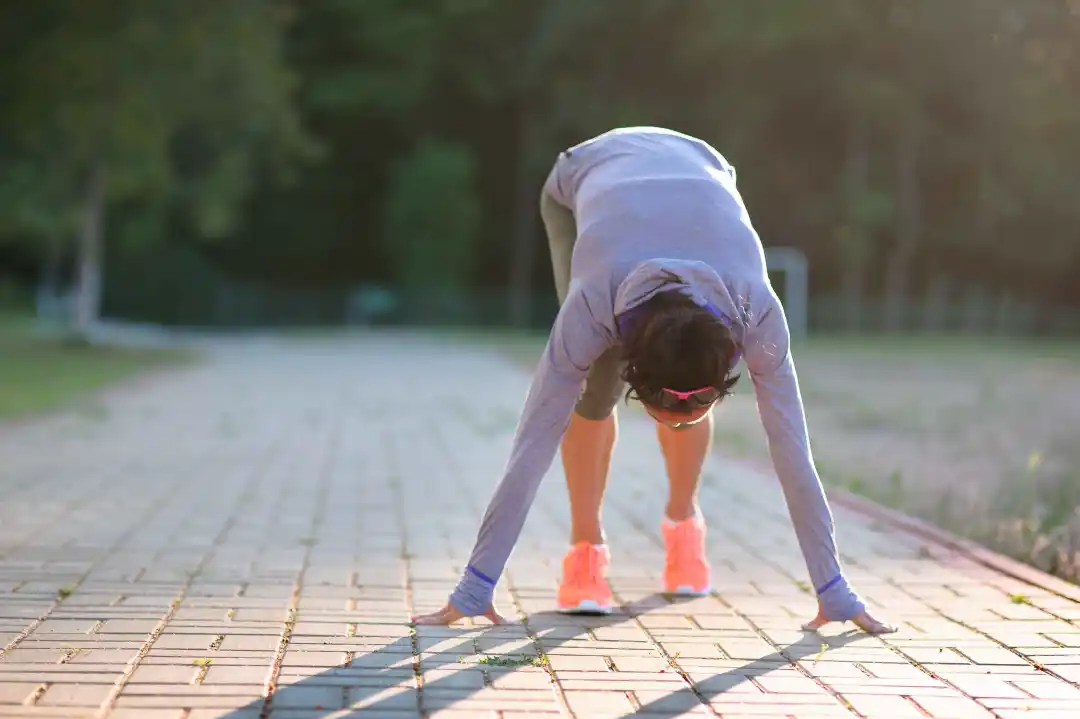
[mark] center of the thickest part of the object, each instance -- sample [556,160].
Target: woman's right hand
[449,614]
[863,620]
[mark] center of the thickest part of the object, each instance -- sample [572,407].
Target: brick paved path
[262,526]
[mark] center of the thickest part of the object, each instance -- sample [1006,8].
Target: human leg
[586,454]
[686,568]
[589,439]
[684,451]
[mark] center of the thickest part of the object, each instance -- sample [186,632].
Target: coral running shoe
[686,570]
[584,588]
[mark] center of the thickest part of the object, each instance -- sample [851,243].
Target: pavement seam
[170,494]
[325,469]
[109,702]
[672,662]
[645,531]
[971,628]
[395,476]
[455,471]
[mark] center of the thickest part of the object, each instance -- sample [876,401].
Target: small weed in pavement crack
[524,660]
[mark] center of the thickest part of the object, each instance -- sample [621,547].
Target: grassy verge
[975,435]
[42,374]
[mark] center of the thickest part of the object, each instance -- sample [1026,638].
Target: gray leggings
[604,385]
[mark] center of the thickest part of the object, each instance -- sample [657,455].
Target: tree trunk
[854,239]
[50,271]
[523,252]
[49,285]
[90,250]
[936,306]
[908,225]
[976,311]
[1006,319]
[985,209]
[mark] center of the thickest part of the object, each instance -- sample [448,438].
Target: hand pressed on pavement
[449,614]
[863,620]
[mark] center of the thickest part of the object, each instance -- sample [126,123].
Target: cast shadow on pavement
[382,680]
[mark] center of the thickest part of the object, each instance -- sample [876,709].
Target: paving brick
[669,703]
[324,478]
[601,682]
[150,674]
[16,692]
[391,699]
[882,688]
[596,663]
[37,712]
[1062,706]
[167,701]
[487,699]
[986,687]
[883,705]
[599,703]
[959,707]
[992,656]
[75,694]
[1047,689]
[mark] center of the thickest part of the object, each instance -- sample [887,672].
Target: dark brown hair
[672,342]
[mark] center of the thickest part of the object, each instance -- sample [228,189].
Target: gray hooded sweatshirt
[657,210]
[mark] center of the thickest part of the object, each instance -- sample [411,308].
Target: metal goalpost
[792,262]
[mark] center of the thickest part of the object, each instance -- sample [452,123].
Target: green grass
[39,374]
[526,345]
[944,347]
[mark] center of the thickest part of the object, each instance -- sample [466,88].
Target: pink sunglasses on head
[687,395]
[710,395]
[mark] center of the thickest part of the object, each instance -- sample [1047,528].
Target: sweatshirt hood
[692,278]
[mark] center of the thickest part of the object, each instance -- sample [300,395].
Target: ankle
[595,539]
[678,514]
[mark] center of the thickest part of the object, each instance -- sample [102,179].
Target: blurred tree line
[318,144]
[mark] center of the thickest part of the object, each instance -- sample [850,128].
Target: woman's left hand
[450,614]
[863,620]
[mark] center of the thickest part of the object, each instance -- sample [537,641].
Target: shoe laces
[682,540]
[585,566]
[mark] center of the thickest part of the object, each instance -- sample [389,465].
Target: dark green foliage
[894,141]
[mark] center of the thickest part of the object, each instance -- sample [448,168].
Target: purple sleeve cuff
[839,602]
[474,593]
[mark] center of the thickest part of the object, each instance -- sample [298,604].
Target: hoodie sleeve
[780,406]
[576,341]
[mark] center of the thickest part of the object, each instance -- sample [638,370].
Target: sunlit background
[252,165]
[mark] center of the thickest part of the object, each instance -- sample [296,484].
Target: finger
[446,615]
[872,626]
[430,619]
[436,620]
[493,616]
[865,622]
[421,617]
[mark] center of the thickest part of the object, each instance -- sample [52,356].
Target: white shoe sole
[586,607]
[688,591]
